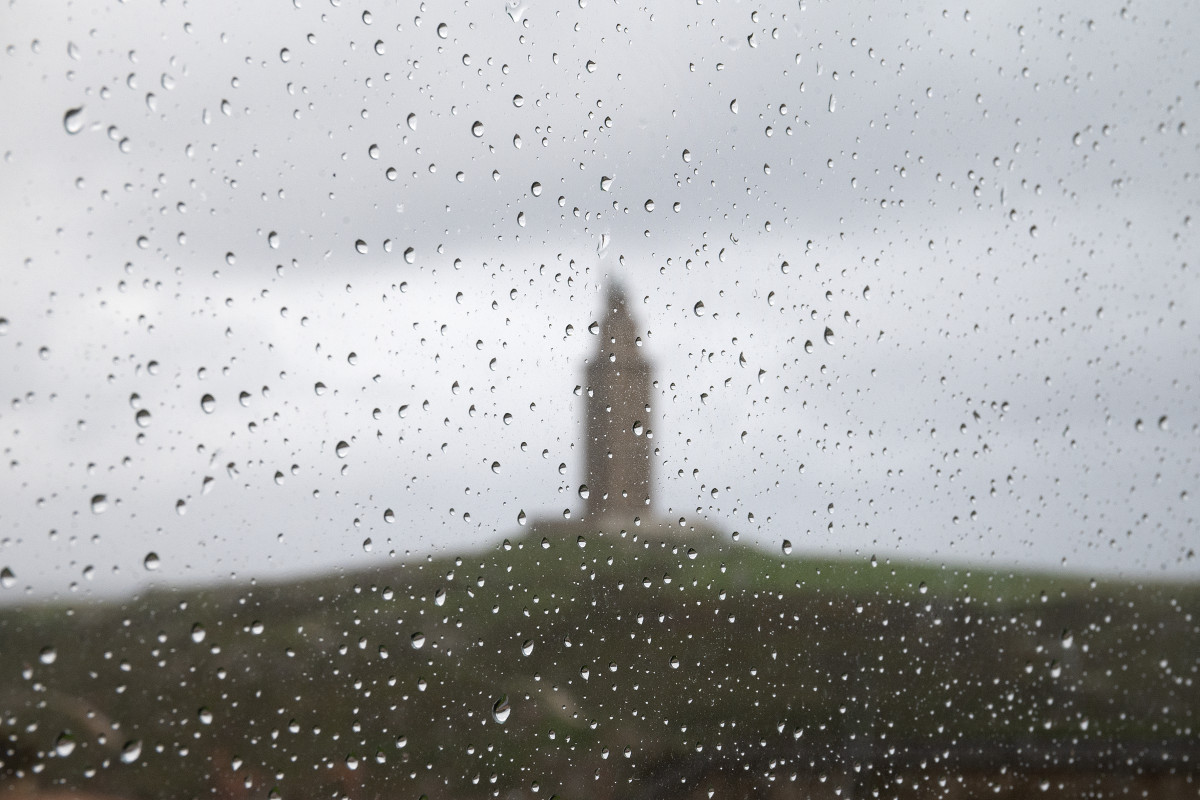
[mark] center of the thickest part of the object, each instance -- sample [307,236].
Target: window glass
[525,399]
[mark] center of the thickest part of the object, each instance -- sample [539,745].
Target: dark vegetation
[656,670]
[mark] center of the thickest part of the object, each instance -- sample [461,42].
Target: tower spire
[618,410]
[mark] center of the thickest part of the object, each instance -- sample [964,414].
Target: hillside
[608,666]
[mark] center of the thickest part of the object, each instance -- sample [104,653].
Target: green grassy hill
[600,666]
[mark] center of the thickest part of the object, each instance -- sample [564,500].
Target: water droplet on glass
[132,751]
[64,745]
[649,206]
[367,545]
[7,578]
[439,597]
[389,516]
[99,503]
[521,518]
[48,655]
[477,129]
[787,547]
[205,716]
[832,104]
[361,246]
[698,309]
[410,255]
[733,106]
[341,449]
[418,640]
[605,183]
[674,662]
[198,633]
[584,492]
[285,55]
[142,418]
[501,709]
[207,403]
[73,120]
[380,49]
[527,647]
[150,562]
[828,336]
[443,30]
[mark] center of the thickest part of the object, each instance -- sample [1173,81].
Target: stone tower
[618,417]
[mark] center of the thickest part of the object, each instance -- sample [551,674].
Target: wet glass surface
[598,400]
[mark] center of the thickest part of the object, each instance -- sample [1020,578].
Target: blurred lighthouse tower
[618,415]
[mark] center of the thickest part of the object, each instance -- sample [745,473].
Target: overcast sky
[945,256]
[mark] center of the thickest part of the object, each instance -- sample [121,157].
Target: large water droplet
[132,751]
[501,709]
[73,120]
[151,561]
[48,655]
[477,129]
[207,403]
[527,647]
[698,309]
[64,745]
[418,640]
[99,503]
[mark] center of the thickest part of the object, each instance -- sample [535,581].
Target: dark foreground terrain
[611,667]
